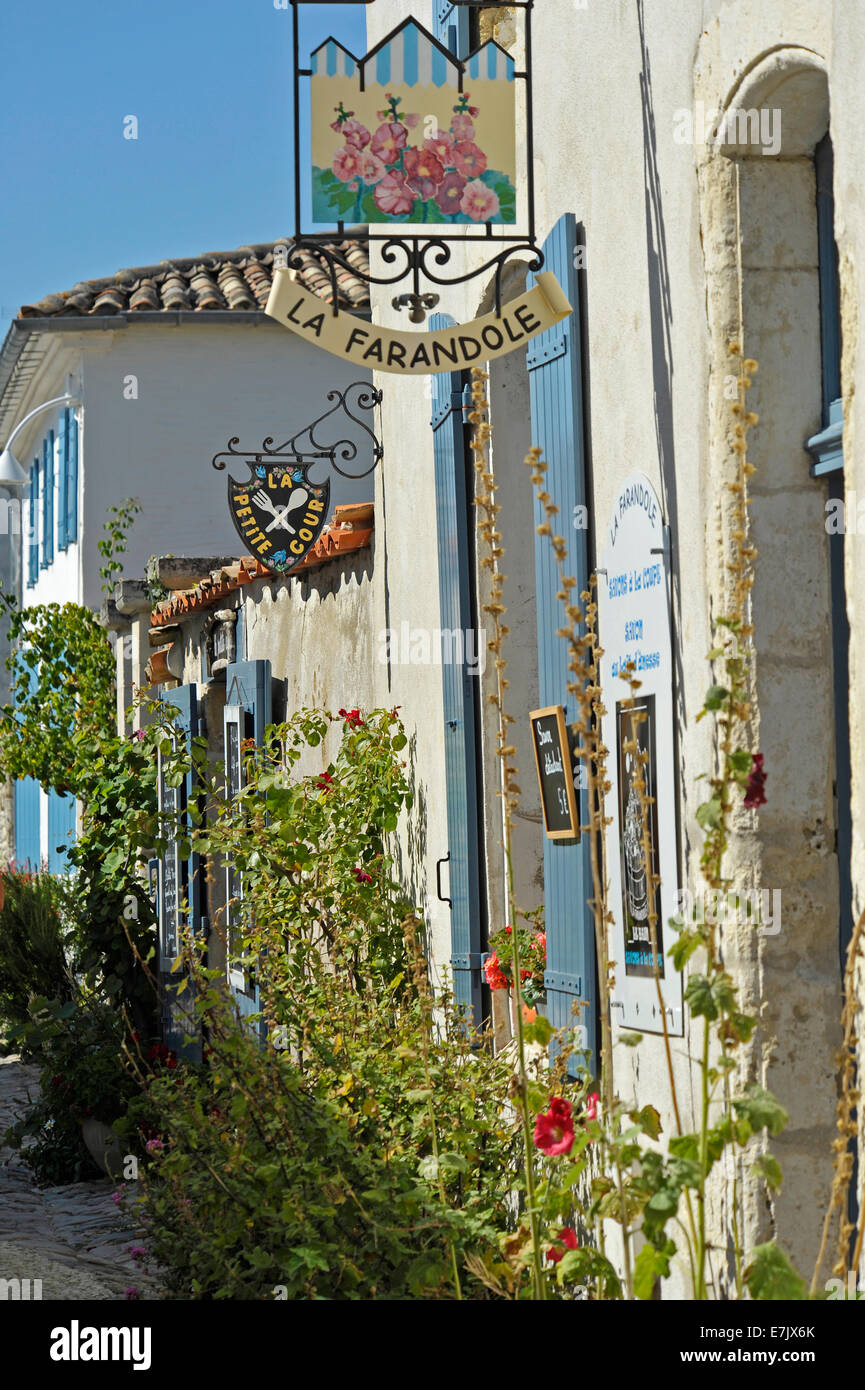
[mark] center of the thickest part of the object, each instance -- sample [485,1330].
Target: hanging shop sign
[416,143]
[397,136]
[407,353]
[278,511]
[634,627]
[555,773]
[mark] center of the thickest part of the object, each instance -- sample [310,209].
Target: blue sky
[211,169]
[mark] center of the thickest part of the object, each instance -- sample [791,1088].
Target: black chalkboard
[555,773]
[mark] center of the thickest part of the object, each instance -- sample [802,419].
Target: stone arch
[759,224]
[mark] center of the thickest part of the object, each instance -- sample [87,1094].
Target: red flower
[325,781]
[566,1237]
[361,876]
[754,792]
[493,972]
[352,717]
[508,930]
[423,171]
[554,1128]
[592,1106]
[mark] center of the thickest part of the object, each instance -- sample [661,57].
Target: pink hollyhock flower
[354,133]
[755,794]
[567,1237]
[388,140]
[441,145]
[478,202]
[461,126]
[469,160]
[154,1146]
[493,972]
[554,1128]
[412,119]
[392,195]
[347,163]
[372,169]
[592,1106]
[361,876]
[423,172]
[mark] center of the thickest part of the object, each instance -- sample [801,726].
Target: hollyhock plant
[388,141]
[566,1239]
[479,202]
[423,172]
[554,1128]
[372,168]
[449,193]
[347,163]
[354,133]
[755,794]
[592,1105]
[462,126]
[392,195]
[469,160]
[441,145]
[352,717]
[361,876]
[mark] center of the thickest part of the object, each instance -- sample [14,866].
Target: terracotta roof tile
[350,530]
[222,280]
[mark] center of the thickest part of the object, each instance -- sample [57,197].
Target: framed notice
[555,773]
[635,633]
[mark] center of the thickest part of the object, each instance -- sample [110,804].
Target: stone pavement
[71,1237]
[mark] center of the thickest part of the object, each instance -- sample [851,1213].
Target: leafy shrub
[32,944]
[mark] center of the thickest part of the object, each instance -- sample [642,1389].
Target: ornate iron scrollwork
[414,257]
[293,453]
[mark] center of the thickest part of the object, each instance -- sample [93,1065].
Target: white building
[167,364]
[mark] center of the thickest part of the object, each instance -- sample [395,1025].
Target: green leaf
[715,697]
[700,999]
[651,1264]
[684,947]
[770,1277]
[768,1168]
[740,763]
[538,1032]
[761,1110]
[709,814]
[648,1120]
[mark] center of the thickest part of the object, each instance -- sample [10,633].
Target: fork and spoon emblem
[299,498]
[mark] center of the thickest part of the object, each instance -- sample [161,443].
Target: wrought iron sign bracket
[412,258]
[278,510]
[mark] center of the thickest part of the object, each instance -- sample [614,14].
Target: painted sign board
[408,134]
[555,773]
[634,627]
[407,353]
[278,513]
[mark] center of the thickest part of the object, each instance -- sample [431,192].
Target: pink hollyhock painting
[395,166]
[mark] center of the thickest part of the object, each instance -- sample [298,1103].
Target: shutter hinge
[441,414]
[546,352]
[566,984]
[468,960]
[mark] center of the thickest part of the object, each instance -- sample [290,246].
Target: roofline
[21,329]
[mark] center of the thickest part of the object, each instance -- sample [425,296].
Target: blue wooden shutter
[451,27]
[555,381]
[69,500]
[827,447]
[33,539]
[61,829]
[48,499]
[27,823]
[457,686]
[180,883]
[247,715]
[62,468]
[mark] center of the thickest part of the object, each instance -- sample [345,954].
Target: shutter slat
[555,381]
[248,687]
[62,466]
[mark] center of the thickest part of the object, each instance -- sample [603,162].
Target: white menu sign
[634,626]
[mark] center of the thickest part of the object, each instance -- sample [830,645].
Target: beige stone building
[698,178]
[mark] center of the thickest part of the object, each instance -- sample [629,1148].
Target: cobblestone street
[70,1237]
